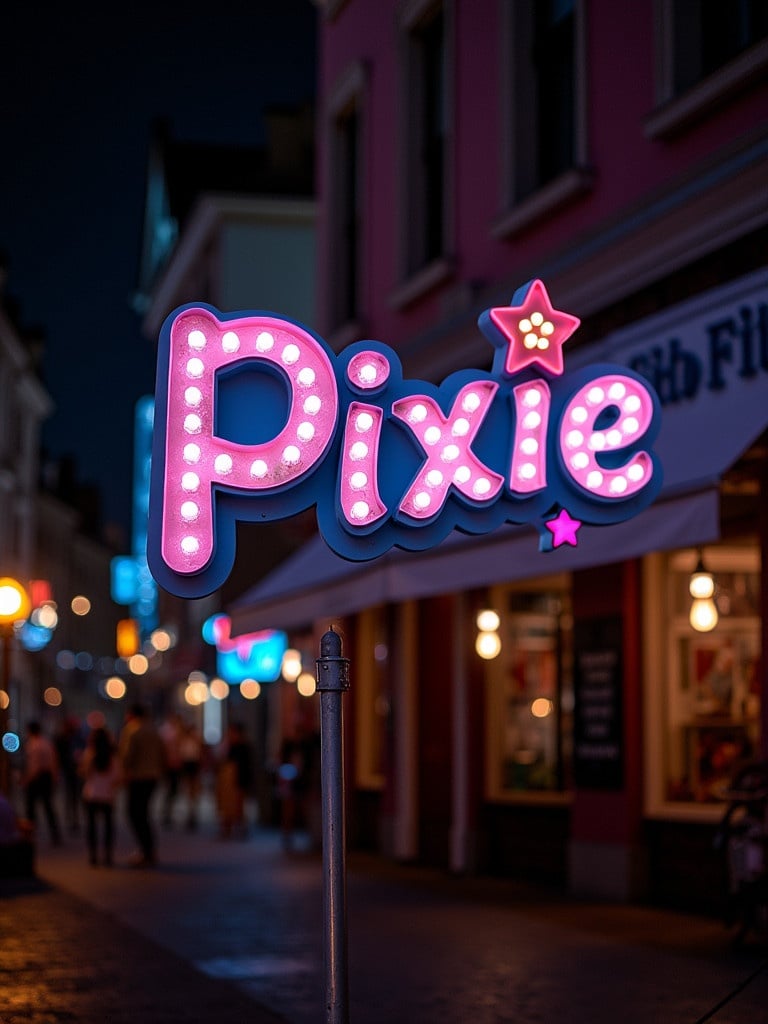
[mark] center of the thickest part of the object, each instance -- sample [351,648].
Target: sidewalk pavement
[61,960]
[224,932]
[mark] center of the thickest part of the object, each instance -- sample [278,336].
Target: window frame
[349,97]
[675,112]
[518,119]
[419,272]
[663,628]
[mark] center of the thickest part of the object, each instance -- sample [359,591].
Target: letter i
[528,471]
[359,496]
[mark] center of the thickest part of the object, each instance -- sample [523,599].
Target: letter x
[447,443]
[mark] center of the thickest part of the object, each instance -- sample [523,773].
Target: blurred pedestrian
[235,774]
[100,771]
[290,786]
[170,733]
[142,760]
[191,754]
[41,772]
[70,743]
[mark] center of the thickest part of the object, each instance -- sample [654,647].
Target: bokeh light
[80,605]
[115,688]
[306,684]
[250,689]
[219,689]
[291,666]
[196,692]
[11,742]
[138,664]
[542,707]
[161,640]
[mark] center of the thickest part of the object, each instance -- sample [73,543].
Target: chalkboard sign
[598,729]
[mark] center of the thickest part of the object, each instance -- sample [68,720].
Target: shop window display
[372,708]
[713,702]
[530,693]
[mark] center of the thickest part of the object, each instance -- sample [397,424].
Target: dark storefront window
[530,692]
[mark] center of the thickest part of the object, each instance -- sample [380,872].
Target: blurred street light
[15,606]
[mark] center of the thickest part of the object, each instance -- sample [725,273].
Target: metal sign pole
[332,681]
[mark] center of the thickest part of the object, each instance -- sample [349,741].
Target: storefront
[592,749]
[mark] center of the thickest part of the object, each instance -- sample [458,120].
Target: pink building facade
[466,148]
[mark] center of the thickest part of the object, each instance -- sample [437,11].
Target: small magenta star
[563,529]
[533,330]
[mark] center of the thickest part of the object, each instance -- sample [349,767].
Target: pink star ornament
[563,529]
[532,330]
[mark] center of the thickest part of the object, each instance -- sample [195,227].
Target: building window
[530,692]
[347,216]
[543,110]
[372,703]
[706,52]
[427,152]
[345,128]
[713,698]
[426,144]
[707,35]
[703,687]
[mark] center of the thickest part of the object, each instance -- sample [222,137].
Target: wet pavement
[227,931]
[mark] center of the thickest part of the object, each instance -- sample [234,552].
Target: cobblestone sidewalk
[61,960]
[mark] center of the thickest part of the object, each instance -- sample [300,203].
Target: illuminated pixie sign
[256,656]
[256,420]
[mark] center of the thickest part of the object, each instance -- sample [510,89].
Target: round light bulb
[488,645]
[488,621]
[703,616]
[701,585]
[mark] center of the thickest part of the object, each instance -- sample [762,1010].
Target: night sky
[80,86]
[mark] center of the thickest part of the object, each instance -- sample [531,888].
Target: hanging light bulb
[701,586]
[488,621]
[703,615]
[488,645]
[488,641]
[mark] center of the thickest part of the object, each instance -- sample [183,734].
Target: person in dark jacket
[233,783]
[142,757]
